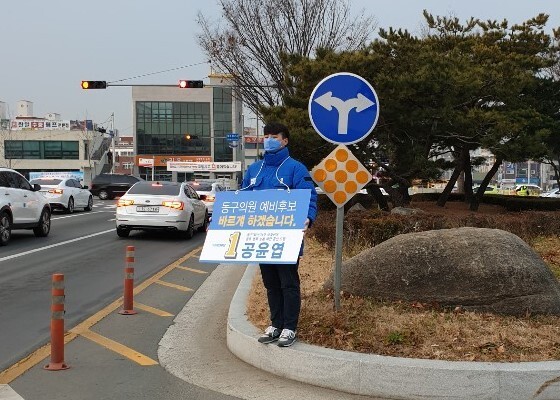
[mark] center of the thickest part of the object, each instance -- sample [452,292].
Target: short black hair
[276,128]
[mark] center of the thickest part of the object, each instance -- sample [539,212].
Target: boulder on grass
[475,268]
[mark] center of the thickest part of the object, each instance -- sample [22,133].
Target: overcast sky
[48,47]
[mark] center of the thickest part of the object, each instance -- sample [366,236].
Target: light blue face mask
[271,144]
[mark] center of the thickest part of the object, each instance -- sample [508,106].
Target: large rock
[476,268]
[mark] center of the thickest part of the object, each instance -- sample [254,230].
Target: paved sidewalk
[194,349]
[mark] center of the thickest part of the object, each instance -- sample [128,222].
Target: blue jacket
[280,171]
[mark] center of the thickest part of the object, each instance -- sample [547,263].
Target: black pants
[284,297]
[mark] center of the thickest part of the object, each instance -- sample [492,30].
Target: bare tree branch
[253,36]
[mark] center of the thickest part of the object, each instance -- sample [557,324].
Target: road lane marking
[55,245]
[20,367]
[174,286]
[191,270]
[78,215]
[119,348]
[31,360]
[152,310]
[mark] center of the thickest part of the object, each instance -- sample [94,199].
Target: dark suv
[107,186]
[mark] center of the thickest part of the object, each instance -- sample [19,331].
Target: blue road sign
[343,108]
[232,137]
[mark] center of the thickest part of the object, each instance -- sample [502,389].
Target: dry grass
[413,330]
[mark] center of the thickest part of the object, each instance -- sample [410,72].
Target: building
[186,125]
[124,155]
[49,144]
[253,145]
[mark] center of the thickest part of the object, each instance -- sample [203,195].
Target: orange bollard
[57,325]
[128,302]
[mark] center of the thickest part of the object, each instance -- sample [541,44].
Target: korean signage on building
[161,161]
[253,139]
[78,175]
[185,166]
[42,124]
[261,226]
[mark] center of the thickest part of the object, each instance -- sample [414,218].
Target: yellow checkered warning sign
[340,175]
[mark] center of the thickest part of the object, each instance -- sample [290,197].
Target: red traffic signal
[183,84]
[189,136]
[94,84]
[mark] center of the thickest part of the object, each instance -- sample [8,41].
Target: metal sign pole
[330,112]
[338,255]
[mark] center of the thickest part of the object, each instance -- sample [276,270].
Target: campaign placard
[261,226]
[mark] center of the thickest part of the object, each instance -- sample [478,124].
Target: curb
[383,376]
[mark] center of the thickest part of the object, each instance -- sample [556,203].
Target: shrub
[371,227]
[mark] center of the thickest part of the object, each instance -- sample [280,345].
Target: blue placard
[343,108]
[262,226]
[261,209]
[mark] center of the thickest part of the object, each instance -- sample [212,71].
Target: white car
[170,206]
[554,193]
[533,189]
[65,194]
[362,191]
[21,206]
[207,192]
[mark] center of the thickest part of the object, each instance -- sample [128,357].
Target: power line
[160,72]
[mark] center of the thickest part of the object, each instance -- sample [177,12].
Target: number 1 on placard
[233,242]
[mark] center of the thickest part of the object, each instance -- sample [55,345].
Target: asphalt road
[85,248]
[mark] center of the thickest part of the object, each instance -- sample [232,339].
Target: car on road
[171,206]
[362,191]
[65,194]
[487,190]
[109,186]
[207,192]
[22,206]
[554,193]
[534,190]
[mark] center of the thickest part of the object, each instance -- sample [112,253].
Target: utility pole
[113,158]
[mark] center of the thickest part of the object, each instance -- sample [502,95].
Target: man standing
[279,171]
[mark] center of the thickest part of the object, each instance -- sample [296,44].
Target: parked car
[487,190]
[554,193]
[108,186]
[161,205]
[362,191]
[22,206]
[207,192]
[534,190]
[65,194]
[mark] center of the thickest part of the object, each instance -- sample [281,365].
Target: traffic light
[94,84]
[189,137]
[191,84]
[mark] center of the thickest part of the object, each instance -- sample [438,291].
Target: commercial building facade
[192,124]
[50,144]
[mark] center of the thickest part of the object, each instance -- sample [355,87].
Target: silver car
[168,206]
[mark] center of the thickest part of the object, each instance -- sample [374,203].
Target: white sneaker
[287,338]
[271,334]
